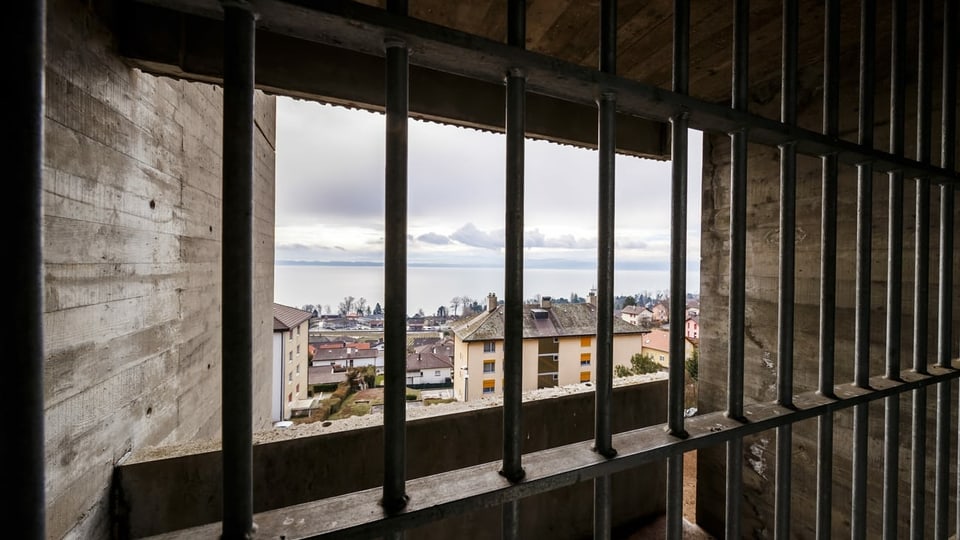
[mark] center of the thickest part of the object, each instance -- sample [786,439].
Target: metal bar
[738,234]
[828,267]
[362,28]
[678,219]
[864,261]
[606,144]
[891,432]
[395,282]
[23,155]
[515,127]
[945,307]
[921,273]
[513,268]
[678,266]
[606,150]
[356,515]
[237,269]
[785,304]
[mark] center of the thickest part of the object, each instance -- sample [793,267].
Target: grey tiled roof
[561,320]
[286,317]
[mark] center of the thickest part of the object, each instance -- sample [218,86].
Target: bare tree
[361,305]
[455,305]
[346,306]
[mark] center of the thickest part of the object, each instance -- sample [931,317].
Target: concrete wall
[760,337]
[318,466]
[132,260]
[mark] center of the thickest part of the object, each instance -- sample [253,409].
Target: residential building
[559,347]
[661,312]
[428,368]
[691,327]
[637,315]
[291,339]
[656,343]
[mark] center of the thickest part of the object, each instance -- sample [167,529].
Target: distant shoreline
[552,264]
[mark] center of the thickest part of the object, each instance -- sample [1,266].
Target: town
[329,366]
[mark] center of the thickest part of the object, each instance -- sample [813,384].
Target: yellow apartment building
[559,347]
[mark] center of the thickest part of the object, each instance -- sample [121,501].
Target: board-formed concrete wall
[165,489]
[132,216]
[760,339]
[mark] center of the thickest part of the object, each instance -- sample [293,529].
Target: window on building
[489,366]
[585,341]
[489,386]
[584,376]
[489,346]
[585,359]
[436,373]
[298,369]
[298,348]
[290,356]
[290,377]
[290,397]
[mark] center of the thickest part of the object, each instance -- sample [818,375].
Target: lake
[428,288]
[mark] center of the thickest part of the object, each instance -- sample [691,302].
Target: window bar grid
[828,267]
[515,128]
[861,371]
[785,326]
[606,147]
[891,434]
[738,231]
[678,265]
[395,271]
[945,311]
[237,269]
[24,156]
[921,271]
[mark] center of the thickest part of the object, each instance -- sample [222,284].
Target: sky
[330,195]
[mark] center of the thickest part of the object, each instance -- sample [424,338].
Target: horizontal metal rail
[359,515]
[363,28]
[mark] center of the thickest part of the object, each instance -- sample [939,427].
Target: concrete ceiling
[168,41]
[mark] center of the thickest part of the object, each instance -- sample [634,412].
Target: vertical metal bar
[864,259]
[513,271]
[23,156]
[828,266]
[237,269]
[679,124]
[738,240]
[891,432]
[785,313]
[606,146]
[395,270]
[945,311]
[678,218]
[921,274]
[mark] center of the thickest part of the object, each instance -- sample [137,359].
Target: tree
[442,312]
[455,305]
[361,305]
[377,310]
[643,363]
[310,307]
[629,301]
[346,306]
[693,363]
[621,371]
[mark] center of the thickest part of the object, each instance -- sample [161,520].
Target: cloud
[470,235]
[434,238]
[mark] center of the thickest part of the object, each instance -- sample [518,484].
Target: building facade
[291,360]
[559,348]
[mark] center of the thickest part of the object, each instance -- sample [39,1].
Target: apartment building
[291,362]
[559,347]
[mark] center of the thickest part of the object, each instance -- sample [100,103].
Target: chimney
[592,297]
[545,302]
[491,302]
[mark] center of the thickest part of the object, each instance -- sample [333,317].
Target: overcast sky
[330,195]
